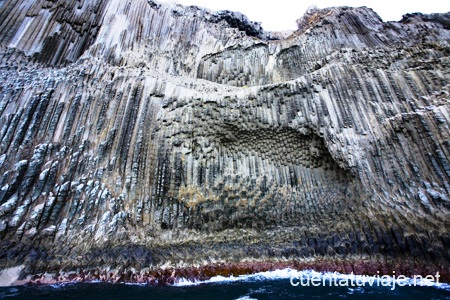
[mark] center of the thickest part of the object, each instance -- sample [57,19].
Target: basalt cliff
[139,137]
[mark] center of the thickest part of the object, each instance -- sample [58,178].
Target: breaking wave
[305,275]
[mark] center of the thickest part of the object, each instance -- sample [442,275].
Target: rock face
[138,135]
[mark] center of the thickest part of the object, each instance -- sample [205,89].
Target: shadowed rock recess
[138,136]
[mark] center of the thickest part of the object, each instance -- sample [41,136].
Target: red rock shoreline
[170,276]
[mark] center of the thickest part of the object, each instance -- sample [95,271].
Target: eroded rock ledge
[146,136]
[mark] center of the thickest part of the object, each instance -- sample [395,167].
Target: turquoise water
[269,285]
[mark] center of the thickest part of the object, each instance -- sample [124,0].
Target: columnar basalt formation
[138,135]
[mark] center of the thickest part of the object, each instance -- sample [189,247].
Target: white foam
[246,298]
[358,290]
[269,275]
[290,273]
[136,283]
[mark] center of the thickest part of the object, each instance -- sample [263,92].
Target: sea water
[279,284]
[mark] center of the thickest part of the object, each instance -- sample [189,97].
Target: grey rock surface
[137,134]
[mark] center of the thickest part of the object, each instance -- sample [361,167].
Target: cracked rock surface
[137,135]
